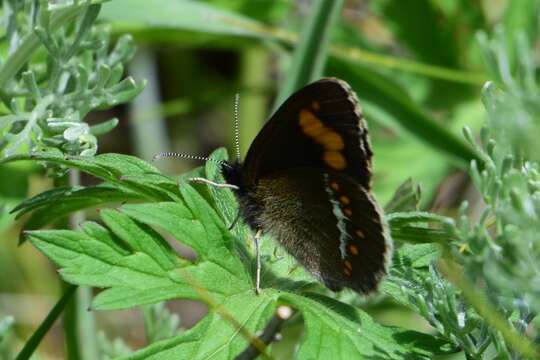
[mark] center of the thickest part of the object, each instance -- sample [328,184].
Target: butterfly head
[232,172]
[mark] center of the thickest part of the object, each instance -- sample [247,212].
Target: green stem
[46,325]
[253,103]
[414,67]
[71,323]
[312,51]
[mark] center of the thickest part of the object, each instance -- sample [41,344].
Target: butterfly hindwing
[329,223]
[319,126]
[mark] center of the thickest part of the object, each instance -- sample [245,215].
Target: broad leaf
[135,265]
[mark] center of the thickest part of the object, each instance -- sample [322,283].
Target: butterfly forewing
[319,126]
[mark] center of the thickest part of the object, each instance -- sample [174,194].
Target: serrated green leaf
[175,219]
[126,172]
[52,205]
[140,238]
[213,337]
[338,331]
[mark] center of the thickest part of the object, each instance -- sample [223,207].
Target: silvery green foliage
[6,337]
[159,322]
[59,67]
[504,246]
[112,349]
[500,251]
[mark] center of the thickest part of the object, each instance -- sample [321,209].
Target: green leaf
[310,55]
[406,198]
[520,17]
[137,266]
[213,337]
[179,15]
[338,331]
[54,204]
[422,227]
[409,21]
[126,172]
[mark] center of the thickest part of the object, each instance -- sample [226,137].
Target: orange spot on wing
[344,200]
[347,272]
[334,185]
[330,140]
[353,249]
[360,234]
[348,264]
[347,212]
[311,125]
[335,160]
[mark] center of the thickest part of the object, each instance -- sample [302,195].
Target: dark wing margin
[284,142]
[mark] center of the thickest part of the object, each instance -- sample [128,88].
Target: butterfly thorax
[250,205]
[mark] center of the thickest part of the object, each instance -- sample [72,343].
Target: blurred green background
[415,65]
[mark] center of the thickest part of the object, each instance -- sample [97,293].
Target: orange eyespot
[347,271]
[353,249]
[347,212]
[360,234]
[334,185]
[348,264]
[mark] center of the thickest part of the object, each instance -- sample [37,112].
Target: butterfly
[306,182]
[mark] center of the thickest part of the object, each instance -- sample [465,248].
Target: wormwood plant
[58,68]
[474,280]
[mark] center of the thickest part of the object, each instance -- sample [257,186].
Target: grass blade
[310,55]
[46,325]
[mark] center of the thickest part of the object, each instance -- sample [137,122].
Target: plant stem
[310,55]
[84,340]
[46,325]
[253,103]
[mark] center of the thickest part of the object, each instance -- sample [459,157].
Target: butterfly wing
[319,126]
[329,223]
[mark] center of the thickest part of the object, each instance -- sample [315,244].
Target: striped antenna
[169,154]
[237,125]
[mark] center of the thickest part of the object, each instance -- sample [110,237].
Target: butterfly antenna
[169,154]
[237,125]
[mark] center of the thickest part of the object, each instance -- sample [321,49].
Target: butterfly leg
[200,180]
[258,256]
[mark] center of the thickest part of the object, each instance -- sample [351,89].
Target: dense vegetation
[449,89]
